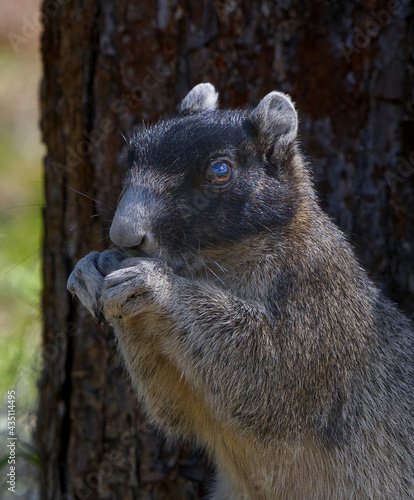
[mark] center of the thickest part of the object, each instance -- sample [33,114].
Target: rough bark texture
[108,65]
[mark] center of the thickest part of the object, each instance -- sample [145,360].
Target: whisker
[86,225]
[75,204]
[204,264]
[211,271]
[103,239]
[223,269]
[24,206]
[267,228]
[122,135]
[208,243]
[94,199]
[196,253]
[26,258]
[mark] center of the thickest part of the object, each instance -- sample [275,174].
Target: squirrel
[244,319]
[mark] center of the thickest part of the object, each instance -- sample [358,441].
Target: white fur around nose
[132,219]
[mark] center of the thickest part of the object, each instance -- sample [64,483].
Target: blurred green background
[21,199]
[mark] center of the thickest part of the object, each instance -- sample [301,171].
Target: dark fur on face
[171,160]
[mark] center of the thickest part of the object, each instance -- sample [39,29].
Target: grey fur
[95,266]
[203,97]
[274,350]
[277,120]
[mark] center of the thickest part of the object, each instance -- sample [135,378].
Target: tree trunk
[109,65]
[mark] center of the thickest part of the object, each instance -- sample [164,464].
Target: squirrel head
[210,179]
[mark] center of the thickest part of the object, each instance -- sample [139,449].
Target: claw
[99,317]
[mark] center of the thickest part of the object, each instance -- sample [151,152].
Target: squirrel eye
[220,174]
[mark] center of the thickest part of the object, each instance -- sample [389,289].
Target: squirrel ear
[276,122]
[203,97]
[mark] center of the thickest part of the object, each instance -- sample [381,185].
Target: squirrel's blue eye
[220,174]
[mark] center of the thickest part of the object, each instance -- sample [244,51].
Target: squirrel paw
[87,279]
[134,288]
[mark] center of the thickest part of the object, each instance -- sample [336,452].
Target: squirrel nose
[124,234]
[138,247]
[129,238]
[131,225]
[135,248]
[146,246]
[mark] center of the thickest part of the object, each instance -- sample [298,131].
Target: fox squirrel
[244,319]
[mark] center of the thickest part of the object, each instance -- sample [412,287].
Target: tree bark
[108,66]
